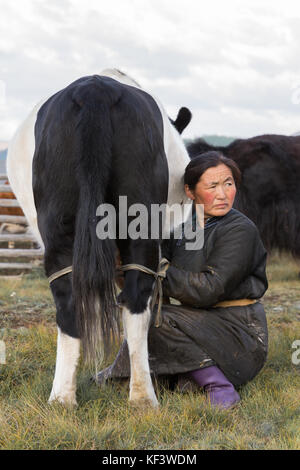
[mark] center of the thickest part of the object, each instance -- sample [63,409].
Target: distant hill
[217,140]
[3,154]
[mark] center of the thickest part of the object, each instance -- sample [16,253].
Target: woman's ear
[189,192]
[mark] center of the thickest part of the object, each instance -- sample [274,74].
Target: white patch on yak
[19,169]
[67,356]
[136,329]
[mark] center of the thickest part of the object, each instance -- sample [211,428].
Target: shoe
[220,391]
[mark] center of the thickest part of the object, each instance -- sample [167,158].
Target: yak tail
[94,290]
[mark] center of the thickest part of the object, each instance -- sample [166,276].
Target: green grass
[268,416]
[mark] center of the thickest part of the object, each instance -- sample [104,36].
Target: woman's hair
[199,164]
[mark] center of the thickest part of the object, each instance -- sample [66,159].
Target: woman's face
[215,190]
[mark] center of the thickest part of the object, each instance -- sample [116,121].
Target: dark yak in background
[270,190]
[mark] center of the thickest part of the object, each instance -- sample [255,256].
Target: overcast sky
[235,64]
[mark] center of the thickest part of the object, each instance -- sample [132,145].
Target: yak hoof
[67,400]
[143,402]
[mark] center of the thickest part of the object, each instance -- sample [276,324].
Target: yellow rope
[235,303]
[60,273]
[158,291]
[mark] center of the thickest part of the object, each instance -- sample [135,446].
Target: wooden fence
[19,250]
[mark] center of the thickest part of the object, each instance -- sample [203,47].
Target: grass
[268,416]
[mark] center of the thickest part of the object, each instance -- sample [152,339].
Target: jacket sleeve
[228,264]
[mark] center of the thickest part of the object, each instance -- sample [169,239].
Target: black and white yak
[99,138]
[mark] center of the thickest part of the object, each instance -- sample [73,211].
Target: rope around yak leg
[60,273]
[157,291]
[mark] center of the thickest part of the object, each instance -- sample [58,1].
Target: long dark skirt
[233,338]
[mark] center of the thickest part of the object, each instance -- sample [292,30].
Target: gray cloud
[235,66]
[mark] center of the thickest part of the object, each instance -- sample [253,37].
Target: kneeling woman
[218,335]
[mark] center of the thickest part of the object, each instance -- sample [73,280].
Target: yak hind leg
[64,383]
[68,344]
[135,299]
[136,327]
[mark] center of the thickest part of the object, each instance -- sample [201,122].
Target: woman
[218,335]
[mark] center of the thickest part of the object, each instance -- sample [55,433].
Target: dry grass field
[268,416]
